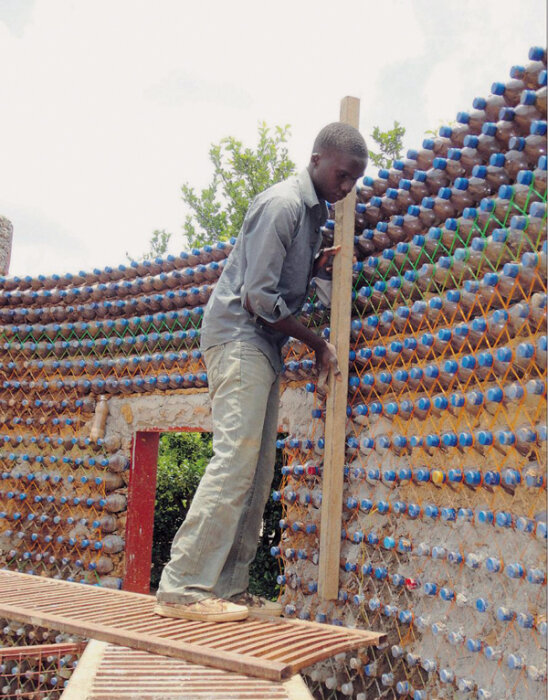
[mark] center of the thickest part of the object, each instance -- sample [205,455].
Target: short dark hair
[339,136]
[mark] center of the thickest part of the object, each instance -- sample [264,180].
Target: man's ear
[315,159]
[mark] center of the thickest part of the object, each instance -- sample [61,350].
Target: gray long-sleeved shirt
[271,264]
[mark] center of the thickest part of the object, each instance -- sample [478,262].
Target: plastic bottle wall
[444,517]
[444,511]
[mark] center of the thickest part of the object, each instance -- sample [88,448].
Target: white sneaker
[207,610]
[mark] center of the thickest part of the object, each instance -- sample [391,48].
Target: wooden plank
[335,413]
[261,668]
[271,648]
[81,682]
[296,689]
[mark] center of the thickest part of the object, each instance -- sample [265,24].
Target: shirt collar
[310,197]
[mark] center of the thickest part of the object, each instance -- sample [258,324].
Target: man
[249,317]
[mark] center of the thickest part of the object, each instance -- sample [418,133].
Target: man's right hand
[327,364]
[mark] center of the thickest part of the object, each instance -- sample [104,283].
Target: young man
[249,317]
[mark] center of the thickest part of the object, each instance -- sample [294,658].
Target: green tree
[239,174]
[182,458]
[390,145]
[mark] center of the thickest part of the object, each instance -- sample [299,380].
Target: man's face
[334,173]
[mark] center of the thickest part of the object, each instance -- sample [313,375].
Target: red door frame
[140,507]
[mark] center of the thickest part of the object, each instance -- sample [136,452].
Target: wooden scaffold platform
[273,649]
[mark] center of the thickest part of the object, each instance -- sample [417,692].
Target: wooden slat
[335,410]
[107,672]
[265,648]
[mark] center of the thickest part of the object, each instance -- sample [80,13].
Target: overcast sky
[109,106]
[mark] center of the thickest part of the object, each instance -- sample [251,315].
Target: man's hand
[325,261]
[327,364]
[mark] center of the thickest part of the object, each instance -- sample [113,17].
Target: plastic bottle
[509,91]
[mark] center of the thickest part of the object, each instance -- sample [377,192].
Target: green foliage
[182,459]
[239,174]
[390,145]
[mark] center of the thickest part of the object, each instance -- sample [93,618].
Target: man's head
[339,157]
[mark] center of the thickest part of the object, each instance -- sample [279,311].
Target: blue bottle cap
[454,154]
[461,183]
[497,159]
[439,163]
[463,117]
[537,210]
[428,144]
[528,97]
[489,129]
[537,53]
[538,128]
[471,141]
[455,476]
[444,193]
[479,171]
[466,439]
[542,163]
[525,177]
[507,114]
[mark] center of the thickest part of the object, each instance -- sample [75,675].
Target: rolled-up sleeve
[269,230]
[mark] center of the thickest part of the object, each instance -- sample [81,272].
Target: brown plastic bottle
[426,155]
[437,176]
[495,174]
[364,243]
[456,134]
[394,229]
[474,120]
[411,223]
[516,159]
[380,237]
[418,188]
[454,166]
[506,127]
[524,116]
[364,190]
[408,165]
[510,91]
[490,105]
[536,98]
[443,207]
[380,184]
[403,197]
[531,74]
[534,146]
[389,205]
[478,188]
[372,213]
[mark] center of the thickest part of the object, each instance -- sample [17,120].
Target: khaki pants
[215,545]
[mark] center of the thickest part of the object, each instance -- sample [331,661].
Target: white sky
[109,106]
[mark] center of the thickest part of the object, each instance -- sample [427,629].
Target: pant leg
[234,577]
[241,380]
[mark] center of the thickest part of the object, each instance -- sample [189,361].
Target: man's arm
[269,230]
[326,354]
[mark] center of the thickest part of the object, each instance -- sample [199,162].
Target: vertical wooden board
[140,512]
[335,418]
[80,684]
